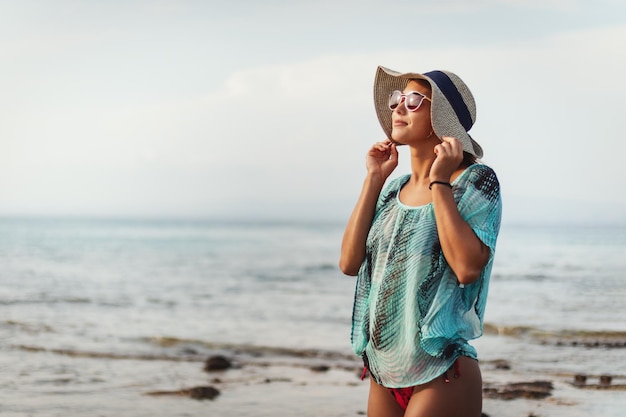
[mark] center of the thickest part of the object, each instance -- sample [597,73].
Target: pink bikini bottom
[403,395]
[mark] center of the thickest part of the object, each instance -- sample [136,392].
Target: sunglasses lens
[394,99]
[413,101]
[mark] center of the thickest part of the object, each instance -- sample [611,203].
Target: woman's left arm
[466,254]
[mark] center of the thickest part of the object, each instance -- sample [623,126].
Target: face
[410,127]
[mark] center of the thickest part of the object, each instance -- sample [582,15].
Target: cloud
[537,111]
[291,135]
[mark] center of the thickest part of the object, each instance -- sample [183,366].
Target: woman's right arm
[381,160]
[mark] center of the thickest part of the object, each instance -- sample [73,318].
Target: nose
[400,107]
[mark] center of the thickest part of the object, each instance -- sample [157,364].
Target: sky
[249,109]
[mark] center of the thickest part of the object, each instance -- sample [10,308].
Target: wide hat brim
[445,121]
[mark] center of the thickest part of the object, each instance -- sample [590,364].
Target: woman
[423,248]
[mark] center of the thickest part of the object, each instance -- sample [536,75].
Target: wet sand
[308,388]
[270,382]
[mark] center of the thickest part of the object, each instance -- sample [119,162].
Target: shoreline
[284,382]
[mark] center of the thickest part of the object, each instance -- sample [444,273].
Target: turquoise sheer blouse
[411,318]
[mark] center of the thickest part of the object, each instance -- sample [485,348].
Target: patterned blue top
[411,318]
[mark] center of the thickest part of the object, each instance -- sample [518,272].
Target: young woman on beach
[422,247]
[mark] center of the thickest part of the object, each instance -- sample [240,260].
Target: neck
[422,158]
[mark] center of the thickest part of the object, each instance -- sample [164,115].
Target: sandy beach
[331,386]
[278,382]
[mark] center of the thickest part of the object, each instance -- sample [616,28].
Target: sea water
[79,295]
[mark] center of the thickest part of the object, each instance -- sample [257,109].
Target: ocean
[96,312]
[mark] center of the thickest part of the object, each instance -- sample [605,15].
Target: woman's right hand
[382,159]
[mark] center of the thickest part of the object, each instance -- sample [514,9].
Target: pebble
[217,363]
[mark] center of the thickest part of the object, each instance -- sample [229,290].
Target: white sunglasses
[412,100]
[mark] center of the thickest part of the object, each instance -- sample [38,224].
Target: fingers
[385,149]
[449,154]
[449,146]
[383,146]
[394,150]
[454,143]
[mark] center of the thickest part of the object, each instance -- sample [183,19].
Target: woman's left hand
[449,155]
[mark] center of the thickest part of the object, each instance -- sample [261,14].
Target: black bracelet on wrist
[447,184]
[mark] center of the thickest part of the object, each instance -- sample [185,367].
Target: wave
[322,267]
[252,350]
[192,350]
[26,327]
[108,355]
[62,300]
[65,300]
[580,338]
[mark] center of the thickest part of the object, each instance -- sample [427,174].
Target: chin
[397,141]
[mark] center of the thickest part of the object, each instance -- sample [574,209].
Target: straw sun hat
[452,110]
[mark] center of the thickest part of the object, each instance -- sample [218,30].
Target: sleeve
[480,204]
[388,193]
[456,313]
